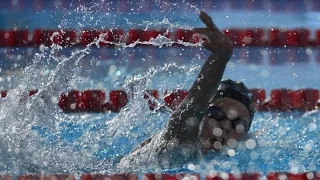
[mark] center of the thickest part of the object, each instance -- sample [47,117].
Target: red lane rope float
[240,176]
[92,101]
[295,176]
[173,99]
[186,36]
[46,177]
[22,38]
[95,100]
[48,37]
[65,38]
[7,38]
[255,37]
[177,176]
[109,177]
[118,98]
[152,103]
[292,37]
[288,100]
[145,35]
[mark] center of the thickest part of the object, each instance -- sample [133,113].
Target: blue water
[96,142]
[37,136]
[276,142]
[281,142]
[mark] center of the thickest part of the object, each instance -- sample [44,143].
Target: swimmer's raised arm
[183,126]
[184,122]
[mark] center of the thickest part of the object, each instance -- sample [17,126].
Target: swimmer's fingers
[217,40]
[206,19]
[206,32]
[212,36]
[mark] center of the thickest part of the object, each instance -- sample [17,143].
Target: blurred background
[32,14]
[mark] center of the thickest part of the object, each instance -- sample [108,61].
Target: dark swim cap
[237,91]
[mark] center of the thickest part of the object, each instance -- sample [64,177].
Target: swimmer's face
[226,122]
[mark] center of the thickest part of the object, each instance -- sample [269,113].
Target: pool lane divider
[212,175]
[95,100]
[254,37]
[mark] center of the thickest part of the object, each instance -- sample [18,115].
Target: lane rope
[252,37]
[212,175]
[96,100]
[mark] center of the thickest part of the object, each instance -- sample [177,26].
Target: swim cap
[237,91]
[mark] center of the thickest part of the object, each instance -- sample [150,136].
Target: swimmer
[214,113]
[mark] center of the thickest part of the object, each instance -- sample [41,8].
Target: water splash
[32,134]
[36,136]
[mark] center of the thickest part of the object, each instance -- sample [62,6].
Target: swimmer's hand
[218,41]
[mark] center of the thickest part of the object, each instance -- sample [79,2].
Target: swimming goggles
[219,115]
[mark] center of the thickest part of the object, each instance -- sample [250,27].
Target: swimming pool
[90,142]
[38,137]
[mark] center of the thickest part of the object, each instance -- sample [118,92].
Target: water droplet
[73,106]
[217,132]
[254,155]
[231,152]
[16,150]
[250,144]
[217,145]
[232,113]
[265,73]
[191,167]
[240,128]
[312,126]
[232,143]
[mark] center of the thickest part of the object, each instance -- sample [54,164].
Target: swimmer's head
[237,91]
[229,115]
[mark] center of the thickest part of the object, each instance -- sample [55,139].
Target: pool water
[45,139]
[37,137]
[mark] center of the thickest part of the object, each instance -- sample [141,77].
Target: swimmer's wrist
[223,53]
[224,49]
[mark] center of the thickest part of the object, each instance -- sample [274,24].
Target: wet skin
[215,133]
[189,122]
